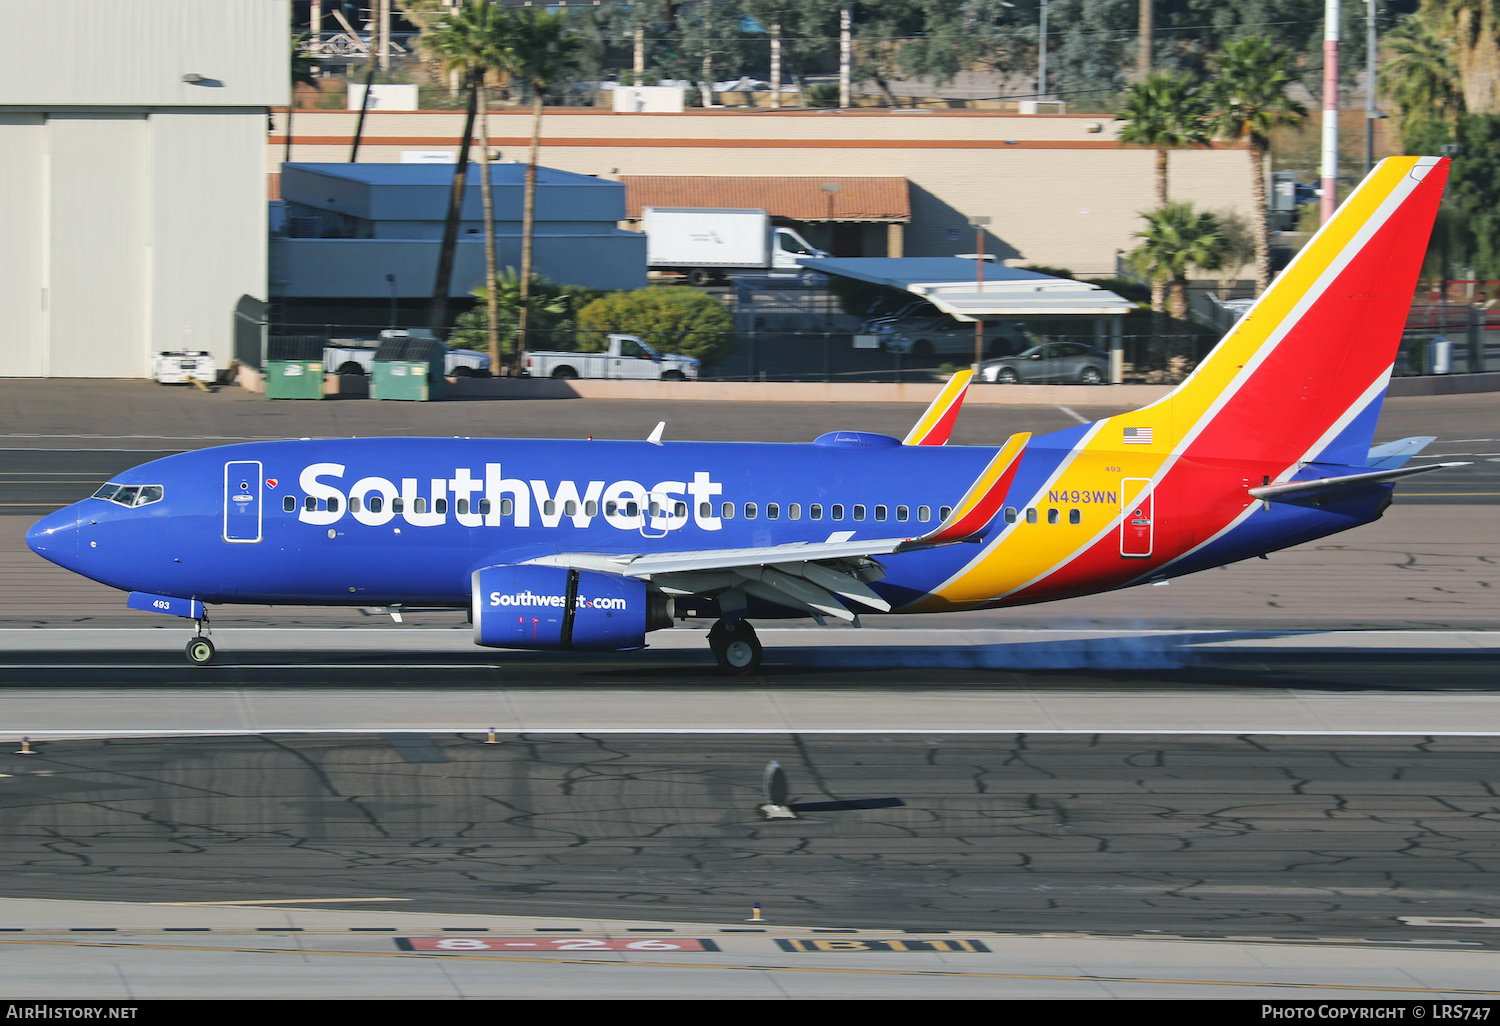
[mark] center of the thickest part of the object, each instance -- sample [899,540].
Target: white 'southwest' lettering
[624,505]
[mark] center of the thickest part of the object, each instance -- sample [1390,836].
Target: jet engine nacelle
[553,607]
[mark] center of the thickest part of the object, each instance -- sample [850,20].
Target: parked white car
[357,357]
[627,357]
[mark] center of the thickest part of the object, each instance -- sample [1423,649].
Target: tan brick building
[1059,190]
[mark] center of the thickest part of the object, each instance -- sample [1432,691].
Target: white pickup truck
[627,357]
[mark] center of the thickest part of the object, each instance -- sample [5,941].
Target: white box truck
[704,242]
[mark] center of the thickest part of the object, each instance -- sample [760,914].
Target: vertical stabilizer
[1302,375]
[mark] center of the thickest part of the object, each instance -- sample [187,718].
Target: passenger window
[106,491]
[354,504]
[726,510]
[591,508]
[1052,516]
[290,503]
[879,512]
[463,506]
[398,505]
[815,511]
[570,508]
[611,507]
[440,506]
[507,507]
[902,513]
[632,509]
[310,504]
[375,503]
[794,511]
[1075,516]
[924,513]
[419,505]
[705,509]
[333,504]
[679,510]
[750,511]
[549,507]
[837,513]
[1010,514]
[944,512]
[1030,515]
[859,511]
[484,507]
[773,511]
[654,509]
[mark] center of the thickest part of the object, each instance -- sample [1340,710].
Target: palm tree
[1421,77]
[1248,92]
[539,50]
[1164,111]
[1176,238]
[469,41]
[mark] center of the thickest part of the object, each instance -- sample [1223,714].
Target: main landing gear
[200,651]
[735,647]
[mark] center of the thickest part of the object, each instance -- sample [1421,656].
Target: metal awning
[949,283]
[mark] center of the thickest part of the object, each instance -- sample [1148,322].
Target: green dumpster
[408,368]
[294,367]
[294,379]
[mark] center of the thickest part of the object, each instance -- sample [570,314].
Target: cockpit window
[130,495]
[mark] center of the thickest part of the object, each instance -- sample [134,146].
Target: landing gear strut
[200,651]
[735,646]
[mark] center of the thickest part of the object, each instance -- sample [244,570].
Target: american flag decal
[1138,436]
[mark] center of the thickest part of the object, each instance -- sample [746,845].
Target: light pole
[831,190]
[979,222]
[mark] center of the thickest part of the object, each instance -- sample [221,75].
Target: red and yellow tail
[1302,375]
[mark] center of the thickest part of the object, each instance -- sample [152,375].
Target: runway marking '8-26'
[829,944]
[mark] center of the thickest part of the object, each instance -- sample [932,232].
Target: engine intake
[552,607]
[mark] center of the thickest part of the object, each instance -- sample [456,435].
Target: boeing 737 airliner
[590,545]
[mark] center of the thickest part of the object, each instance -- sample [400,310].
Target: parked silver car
[924,336]
[1051,362]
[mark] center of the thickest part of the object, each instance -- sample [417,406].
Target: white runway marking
[1075,415]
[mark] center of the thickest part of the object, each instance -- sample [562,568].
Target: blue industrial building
[351,241]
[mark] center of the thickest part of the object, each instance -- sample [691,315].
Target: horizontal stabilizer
[1319,489]
[1395,454]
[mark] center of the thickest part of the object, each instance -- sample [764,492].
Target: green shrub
[671,319]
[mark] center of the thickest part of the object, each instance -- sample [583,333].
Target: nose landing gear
[200,651]
[735,646]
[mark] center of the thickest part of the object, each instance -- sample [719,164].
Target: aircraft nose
[55,537]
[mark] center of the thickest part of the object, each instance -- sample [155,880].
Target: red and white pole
[1330,173]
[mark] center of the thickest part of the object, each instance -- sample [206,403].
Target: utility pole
[1372,113]
[846,51]
[638,67]
[1330,172]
